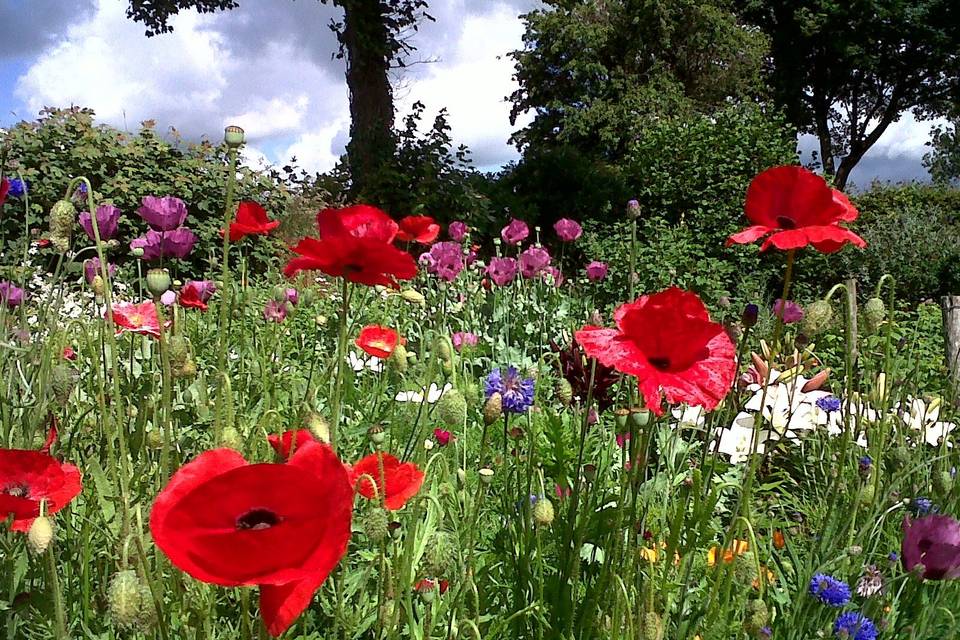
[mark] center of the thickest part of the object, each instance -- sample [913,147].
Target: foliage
[943,161]
[846,70]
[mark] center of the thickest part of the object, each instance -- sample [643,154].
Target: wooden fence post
[951,340]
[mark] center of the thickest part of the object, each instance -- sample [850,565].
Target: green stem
[61,619]
[226,291]
[335,407]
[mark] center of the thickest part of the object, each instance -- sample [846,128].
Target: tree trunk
[372,142]
[951,335]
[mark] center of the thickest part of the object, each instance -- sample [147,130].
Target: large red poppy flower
[422,229]
[283,527]
[378,341]
[251,219]
[669,343]
[797,208]
[362,261]
[195,294]
[402,479]
[137,318]
[28,477]
[360,221]
[282,444]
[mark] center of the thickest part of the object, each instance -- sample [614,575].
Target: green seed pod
[158,282]
[867,493]
[942,482]
[755,617]
[179,350]
[125,599]
[398,359]
[63,216]
[187,370]
[231,439]
[452,408]
[440,555]
[745,569]
[874,313]
[652,626]
[63,378]
[376,434]
[543,512]
[375,524]
[40,534]
[818,318]
[564,392]
[155,439]
[471,392]
[493,408]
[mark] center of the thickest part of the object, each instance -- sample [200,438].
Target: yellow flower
[737,548]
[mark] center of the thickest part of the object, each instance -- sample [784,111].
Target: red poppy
[428,584]
[251,219]
[282,444]
[403,480]
[360,221]
[358,260]
[798,208]
[669,343]
[69,354]
[137,318]
[231,523]
[422,229]
[377,341]
[195,294]
[4,189]
[28,477]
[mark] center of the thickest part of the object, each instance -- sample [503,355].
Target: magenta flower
[10,294]
[91,269]
[567,230]
[515,232]
[457,231]
[293,296]
[463,339]
[534,260]
[275,311]
[502,270]
[442,436]
[933,544]
[596,271]
[160,244]
[163,214]
[552,274]
[107,218]
[790,312]
[446,260]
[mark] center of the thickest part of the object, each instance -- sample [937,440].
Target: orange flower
[767,575]
[779,542]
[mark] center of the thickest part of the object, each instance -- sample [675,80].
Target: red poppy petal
[281,605]
[748,235]
[785,240]
[281,444]
[849,212]
[830,238]
[789,193]
[360,221]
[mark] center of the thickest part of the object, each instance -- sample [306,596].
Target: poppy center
[352,268]
[660,363]
[18,490]
[924,546]
[786,222]
[257,519]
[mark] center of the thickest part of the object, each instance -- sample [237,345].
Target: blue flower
[829,403]
[829,590]
[18,187]
[893,557]
[922,506]
[515,392]
[855,626]
[865,463]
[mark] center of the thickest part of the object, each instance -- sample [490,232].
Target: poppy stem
[341,356]
[226,297]
[61,620]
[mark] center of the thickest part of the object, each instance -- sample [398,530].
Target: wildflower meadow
[410,430]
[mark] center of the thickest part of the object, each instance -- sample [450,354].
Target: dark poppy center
[352,268]
[786,222]
[18,490]
[660,363]
[257,519]
[924,545]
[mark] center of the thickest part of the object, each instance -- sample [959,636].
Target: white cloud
[271,117]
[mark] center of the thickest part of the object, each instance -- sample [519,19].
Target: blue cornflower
[516,393]
[829,590]
[765,633]
[855,626]
[865,463]
[922,506]
[17,187]
[829,403]
[893,557]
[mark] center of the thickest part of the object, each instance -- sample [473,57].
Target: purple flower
[515,392]
[91,269]
[107,218]
[502,270]
[463,339]
[552,274]
[789,312]
[18,187]
[275,311]
[168,298]
[457,231]
[163,214]
[159,244]
[829,403]
[515,232]
[829,590]
[596,271]
[446,260]
[852,625]
[933,544]
[567,230]
[10,294]
[426,260]
[533,261]
[293,296]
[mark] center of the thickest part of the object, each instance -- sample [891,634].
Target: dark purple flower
[596,271]
[932,542]
[515,232]
[502,270]
[91,269]
[463,339]
[10,294]
[446,260]
[457,231]
[789,312]
[275,311]
[107,218]
[533,261]
[163,214]
[567,230]
[165,244]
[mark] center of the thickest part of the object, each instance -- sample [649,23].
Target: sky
[268,67]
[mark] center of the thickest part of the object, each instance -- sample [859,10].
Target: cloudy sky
[268,67]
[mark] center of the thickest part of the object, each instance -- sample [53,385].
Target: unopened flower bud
[230,438]
[493,408]
[818,318]
[317,425]
[543,512]
[452,408]
[375,524]
[129,600]
[750,314]
[398,359]
[874,313]
[413,297]
[564,392]
[40,534]
[96,285]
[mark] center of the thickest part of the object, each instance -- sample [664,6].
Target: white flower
[428,444]
[691,417]
[433,394]
[358,364]
[735,441]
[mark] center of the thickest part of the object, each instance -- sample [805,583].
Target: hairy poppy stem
[61,619]
[226,297]
[341,357]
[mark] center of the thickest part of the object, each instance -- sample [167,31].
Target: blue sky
[271,72]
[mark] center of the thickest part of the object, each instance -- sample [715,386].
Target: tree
[593,71]
[845,71]
[943,161]
[373,36]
